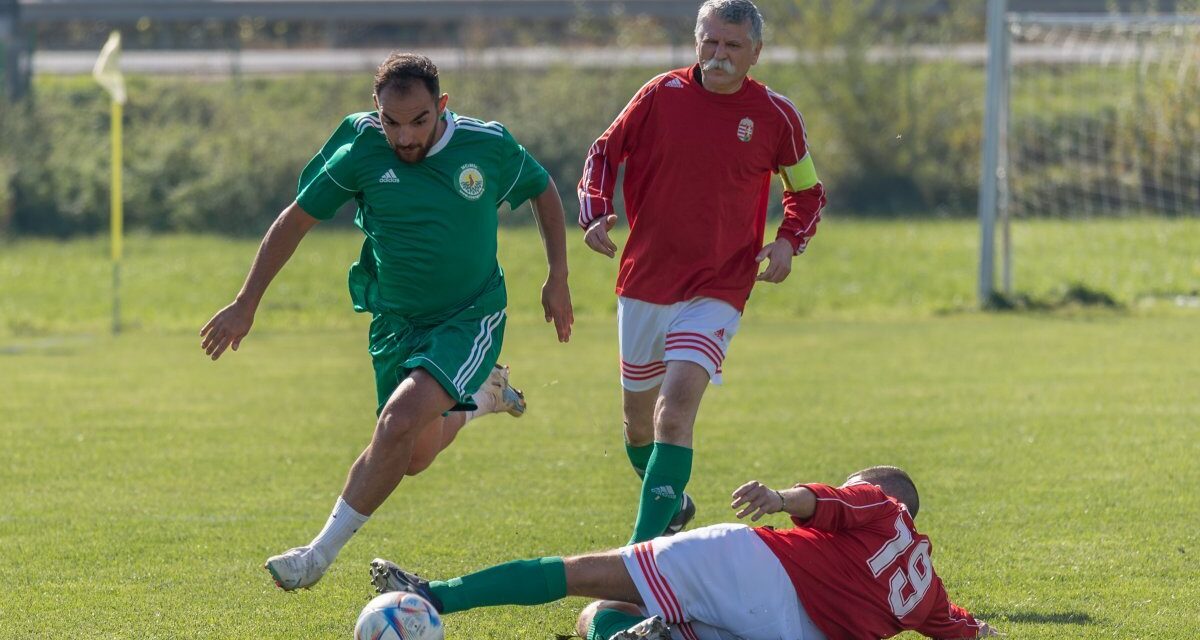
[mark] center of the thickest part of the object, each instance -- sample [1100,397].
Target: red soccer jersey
[862,570]
[698,167]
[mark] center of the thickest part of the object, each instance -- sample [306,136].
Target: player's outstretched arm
[757,500]
[556,293]
[227,328]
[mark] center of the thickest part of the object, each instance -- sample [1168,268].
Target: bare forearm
[799,502]
[276,249]
[548,209]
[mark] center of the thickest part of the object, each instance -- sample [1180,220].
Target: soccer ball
[399,615]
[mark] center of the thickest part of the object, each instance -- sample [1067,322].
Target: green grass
[854,268]
[142,485]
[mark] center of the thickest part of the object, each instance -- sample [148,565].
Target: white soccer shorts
[697,330]
[720,582]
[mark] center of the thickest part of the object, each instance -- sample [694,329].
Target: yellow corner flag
[107,72]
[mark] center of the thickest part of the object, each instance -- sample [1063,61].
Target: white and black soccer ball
[399,615]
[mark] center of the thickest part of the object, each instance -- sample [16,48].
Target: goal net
[1104,116]
[1097,117]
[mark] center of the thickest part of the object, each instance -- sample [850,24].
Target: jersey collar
[445,139]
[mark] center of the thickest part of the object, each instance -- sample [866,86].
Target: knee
[394,427]
[589,612]
[638,435]
[418,463]
[672,422]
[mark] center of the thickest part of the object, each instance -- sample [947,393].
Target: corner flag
[107,72]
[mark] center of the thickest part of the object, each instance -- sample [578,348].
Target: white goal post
[1086,116]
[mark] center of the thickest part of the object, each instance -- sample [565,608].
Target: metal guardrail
[54,11]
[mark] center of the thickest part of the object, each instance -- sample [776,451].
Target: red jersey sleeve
[599,178]
[801,207]
[946,620]
[849,507]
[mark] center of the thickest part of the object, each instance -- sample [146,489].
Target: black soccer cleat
[687,511]
[387,577]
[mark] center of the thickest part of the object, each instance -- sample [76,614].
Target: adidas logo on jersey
[675,83]
[665,491]
[389,176]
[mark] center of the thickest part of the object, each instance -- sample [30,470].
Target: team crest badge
[470,182]
[745,129]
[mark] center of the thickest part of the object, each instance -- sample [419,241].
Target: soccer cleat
[687,511]
[387,577]
[504,396]
[297,568]
[649,629]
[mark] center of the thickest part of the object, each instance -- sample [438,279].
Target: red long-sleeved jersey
[863,571]
[698,166]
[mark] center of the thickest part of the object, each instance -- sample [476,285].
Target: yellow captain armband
[800,176]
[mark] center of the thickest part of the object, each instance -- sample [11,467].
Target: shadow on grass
[1032,617]
[1075,296]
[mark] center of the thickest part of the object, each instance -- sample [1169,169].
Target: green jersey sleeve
[523,177]
[329,179]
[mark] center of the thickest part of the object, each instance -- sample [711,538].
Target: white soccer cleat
[297,568]
[504,397]
[649,629]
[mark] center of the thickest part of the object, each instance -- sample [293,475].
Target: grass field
[141,485]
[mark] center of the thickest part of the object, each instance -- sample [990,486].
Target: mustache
[713,63]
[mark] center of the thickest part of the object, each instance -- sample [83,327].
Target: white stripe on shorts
[483,342]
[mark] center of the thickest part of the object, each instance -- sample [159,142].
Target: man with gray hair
[699,146]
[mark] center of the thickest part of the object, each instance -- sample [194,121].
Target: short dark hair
[403,71]
[895,482]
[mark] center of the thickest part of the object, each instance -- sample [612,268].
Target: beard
[720,65]
[415,153]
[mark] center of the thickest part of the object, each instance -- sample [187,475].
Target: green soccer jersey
[430,226]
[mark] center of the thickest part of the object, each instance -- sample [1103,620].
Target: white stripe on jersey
[475,124]
[524,154]
[367,120]
[471,127]
[588,166]
[776,98]
[330,175]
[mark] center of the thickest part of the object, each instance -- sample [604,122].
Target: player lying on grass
[854,566]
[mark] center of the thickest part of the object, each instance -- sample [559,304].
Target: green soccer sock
[523,582]
[608,622]
[639,457]
[667,474]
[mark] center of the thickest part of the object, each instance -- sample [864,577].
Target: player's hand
[556,302]
[779,254]
[597,236]
[227,328]
[988,631]
[758,498]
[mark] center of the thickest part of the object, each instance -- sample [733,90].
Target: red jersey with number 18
[862,570]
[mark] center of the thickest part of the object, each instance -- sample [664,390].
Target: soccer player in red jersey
[854,567]
[699,147]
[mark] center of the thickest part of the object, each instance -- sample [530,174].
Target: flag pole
[117,215]
[107,73]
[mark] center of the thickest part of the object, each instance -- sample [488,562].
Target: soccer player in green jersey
[427,183]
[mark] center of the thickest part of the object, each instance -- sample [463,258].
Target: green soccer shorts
[459,351]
